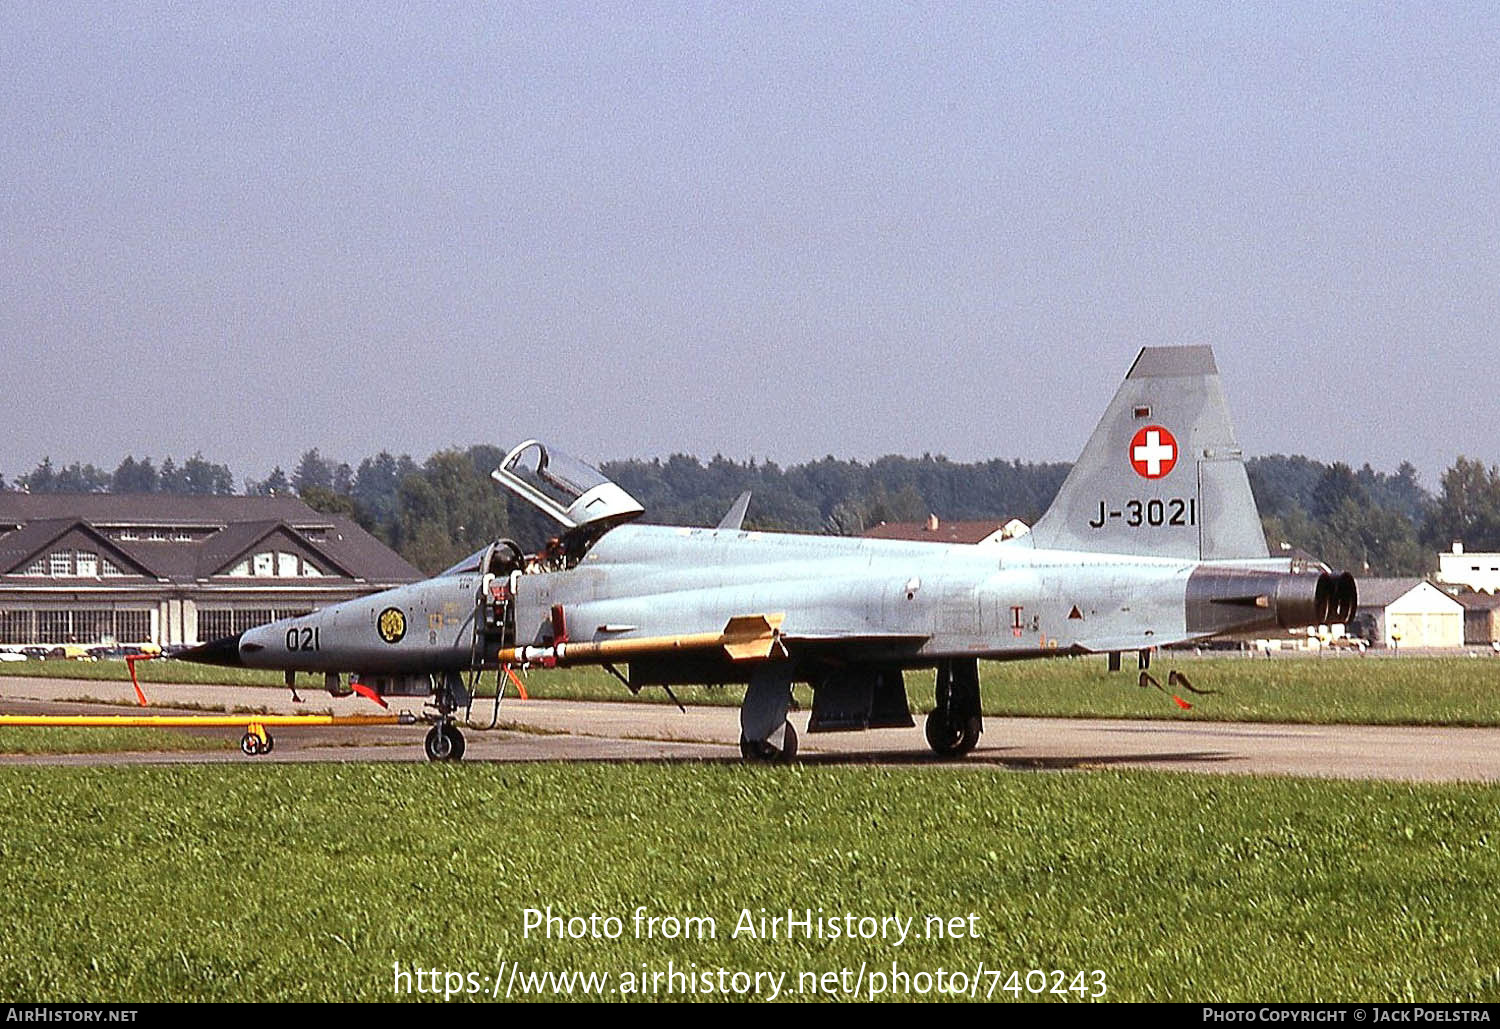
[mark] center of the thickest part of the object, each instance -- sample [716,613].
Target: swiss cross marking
[1153,452]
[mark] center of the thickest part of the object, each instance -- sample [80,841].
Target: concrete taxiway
[553,730]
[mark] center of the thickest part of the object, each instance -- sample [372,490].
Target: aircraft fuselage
[909,602]
[927,600]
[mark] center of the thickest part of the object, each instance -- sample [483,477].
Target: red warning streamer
[367,693]
[520,687]
[130,660]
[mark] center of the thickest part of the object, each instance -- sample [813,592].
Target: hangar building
[1481,618]
[1404,613]
[150,568]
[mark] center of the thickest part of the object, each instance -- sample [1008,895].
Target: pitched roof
[154,509]
[235,542]
[1384,592]
[17,546]
[224,531]
[354,548]
[220,549]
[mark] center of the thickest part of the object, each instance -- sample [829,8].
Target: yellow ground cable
[198,721]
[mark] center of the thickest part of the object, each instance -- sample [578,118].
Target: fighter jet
[1154,539]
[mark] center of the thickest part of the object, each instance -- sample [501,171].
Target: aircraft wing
[750,637]
[858,646]
[1133,641]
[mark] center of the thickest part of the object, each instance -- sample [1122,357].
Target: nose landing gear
[444,743]
[444,740]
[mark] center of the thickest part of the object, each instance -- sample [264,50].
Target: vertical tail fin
[1162,475]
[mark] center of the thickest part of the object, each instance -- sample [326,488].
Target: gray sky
[775,231]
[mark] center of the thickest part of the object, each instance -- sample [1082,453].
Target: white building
[1479,572]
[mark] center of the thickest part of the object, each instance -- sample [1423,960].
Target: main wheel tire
[269,745]
[766,752]
[950,737]
[249,744]
[439,744]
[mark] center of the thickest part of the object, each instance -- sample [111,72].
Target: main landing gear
[954,726]
[771,750]
[765,733]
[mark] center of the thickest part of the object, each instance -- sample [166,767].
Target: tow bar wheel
[256,741]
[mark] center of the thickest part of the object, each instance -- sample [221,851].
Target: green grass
[1329,690]
[266,883]
[68,740]
[1344,689]
[162,671]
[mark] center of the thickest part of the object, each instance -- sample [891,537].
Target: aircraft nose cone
[222,651]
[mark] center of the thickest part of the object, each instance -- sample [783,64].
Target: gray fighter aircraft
[1153,539]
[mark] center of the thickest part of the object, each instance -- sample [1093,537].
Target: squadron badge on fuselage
[391,625]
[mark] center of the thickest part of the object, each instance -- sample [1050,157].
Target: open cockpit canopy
[574,494]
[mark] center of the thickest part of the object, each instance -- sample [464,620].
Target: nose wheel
[444,743]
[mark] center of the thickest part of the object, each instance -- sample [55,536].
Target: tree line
[436,511]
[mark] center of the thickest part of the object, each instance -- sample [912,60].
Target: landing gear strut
[444,740]
[765,733]
[954,726]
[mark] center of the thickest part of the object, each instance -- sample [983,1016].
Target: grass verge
[1330,690]
[274,883]
[110,740]
[1320,691]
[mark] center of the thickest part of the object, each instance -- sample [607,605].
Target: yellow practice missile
[744,638]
